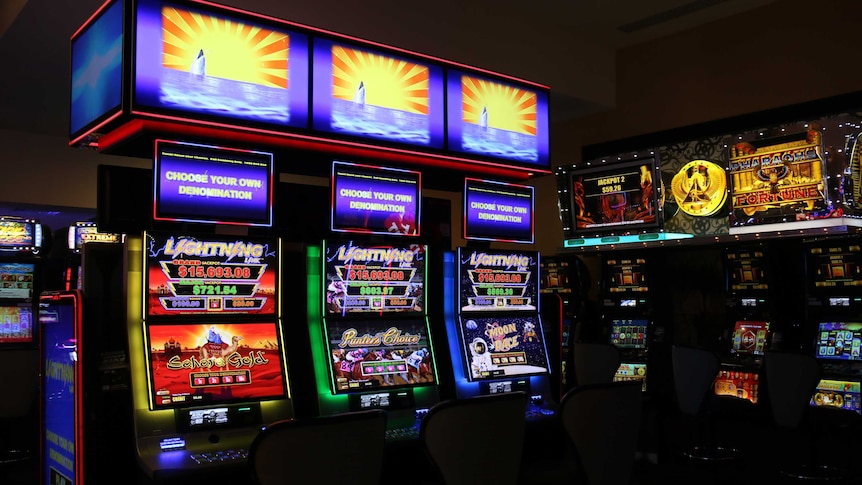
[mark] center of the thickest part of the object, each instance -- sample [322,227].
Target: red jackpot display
[195,364]
[193,275]
[373,279]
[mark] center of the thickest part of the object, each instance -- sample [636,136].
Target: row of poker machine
[208,337]
[832,330]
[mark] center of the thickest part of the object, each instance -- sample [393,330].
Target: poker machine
[20,268]
[750,300]
[833,330]
[558,302]
[496,337]
[627,312]
[206,336]
[368,321]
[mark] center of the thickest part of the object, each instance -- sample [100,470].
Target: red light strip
[176,126]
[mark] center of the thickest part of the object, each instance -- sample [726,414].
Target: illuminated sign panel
[377,95]
[218,65]
[499,119]
[375,200]
[200,183]
[495,211]
[777,179]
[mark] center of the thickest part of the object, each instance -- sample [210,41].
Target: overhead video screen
[210,184]
[498,119]
[377,95]
[219,66]
[619,197]
[97,70]
[496,211]
[375,200]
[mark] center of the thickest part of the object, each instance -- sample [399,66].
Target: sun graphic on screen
[504,107]
[379,80]
[212,46]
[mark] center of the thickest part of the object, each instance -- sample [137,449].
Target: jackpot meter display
[374,279]
[189,275]
[498,281]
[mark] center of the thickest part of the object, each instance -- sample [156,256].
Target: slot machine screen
[626,277]
[219,65]
[207,364]
[497,118]
[503,347]
[18,234]
[839,394]
[835,268]
[209,184]
[749,337]
[16,323]
[375,200]
[496,211]
[743,385]
[838,341]
[374,279]
[498,280]
[16,281]
[211,275]
[632,371]
[377,95]
[629,334]
[379,354]
[747,271]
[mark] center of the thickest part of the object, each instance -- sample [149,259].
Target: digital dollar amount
[214,271]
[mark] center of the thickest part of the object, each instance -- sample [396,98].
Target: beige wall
[786,53]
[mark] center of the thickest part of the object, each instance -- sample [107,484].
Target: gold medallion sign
[699,188]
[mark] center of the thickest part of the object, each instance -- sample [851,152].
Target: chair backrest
[694,372]
[594,363]
[19,372]
[791,379]
[341,448]
[603,421]
[478,439]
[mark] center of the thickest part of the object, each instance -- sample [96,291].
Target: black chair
[594,363]
[791,380]
[19,422]
[478,439]
[343,448]
[694,373]
[602,422]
